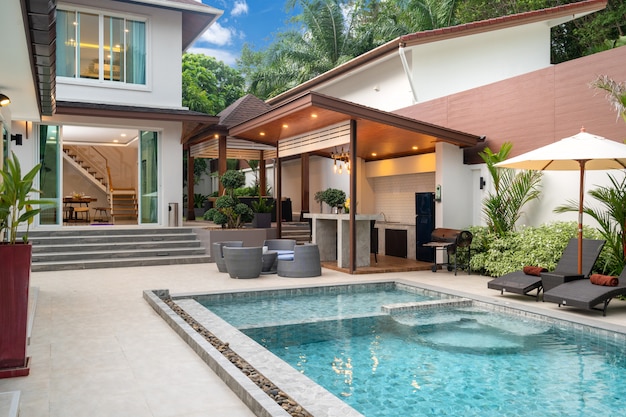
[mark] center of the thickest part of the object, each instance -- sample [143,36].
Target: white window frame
[101,82]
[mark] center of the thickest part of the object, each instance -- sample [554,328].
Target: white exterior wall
[383,86]
[445,67]
[163,64]
[454,210]
[459,64]
[170,169]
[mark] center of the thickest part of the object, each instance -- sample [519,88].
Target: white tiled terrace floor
[98,349]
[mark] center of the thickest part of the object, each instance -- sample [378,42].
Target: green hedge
[538,246]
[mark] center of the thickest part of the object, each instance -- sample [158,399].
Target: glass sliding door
[149,177]
[50,173]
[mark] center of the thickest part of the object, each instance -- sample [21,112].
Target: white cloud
[241,7]
[225,56]
[218,34]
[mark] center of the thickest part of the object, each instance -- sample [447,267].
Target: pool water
[463,361]
[337,302]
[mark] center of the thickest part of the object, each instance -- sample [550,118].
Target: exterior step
[299,231]
[110,247]
[119,263]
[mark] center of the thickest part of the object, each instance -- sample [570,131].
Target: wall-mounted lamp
[4,100]
[17,138]
[482,183]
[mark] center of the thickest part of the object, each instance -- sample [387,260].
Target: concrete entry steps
[108,247]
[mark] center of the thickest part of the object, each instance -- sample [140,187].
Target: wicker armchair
[218,254]
[243,262]
[280,244]
[306,263]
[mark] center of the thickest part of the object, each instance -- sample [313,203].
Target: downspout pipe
[407,71]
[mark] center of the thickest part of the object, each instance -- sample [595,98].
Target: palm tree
[331,32]
[611,218]
[325,38]
[512,190]
[615,93]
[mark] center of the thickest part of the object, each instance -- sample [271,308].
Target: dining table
[75,204]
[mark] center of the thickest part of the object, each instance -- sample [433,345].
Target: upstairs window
[92,45]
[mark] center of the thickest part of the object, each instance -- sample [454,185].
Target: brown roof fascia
[503,22]
[130,112]
[197,16]
[443,34]
[356,111]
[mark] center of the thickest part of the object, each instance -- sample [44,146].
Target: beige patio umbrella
[581,152]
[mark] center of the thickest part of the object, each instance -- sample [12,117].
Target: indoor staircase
[123,204]
[108,247]
[93,170]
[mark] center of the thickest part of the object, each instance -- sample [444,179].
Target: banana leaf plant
[16,202]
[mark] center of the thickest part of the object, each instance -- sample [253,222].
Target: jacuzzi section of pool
[390,349]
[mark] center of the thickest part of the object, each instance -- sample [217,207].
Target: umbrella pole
[580,215]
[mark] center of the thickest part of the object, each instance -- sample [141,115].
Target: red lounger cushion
[534,270]
[605,280]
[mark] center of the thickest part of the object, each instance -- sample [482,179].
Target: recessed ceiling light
[415,148]
[115,141]
[285,125]
[373,153]
[314,115]
[123,135]
[262,133]
[216,136]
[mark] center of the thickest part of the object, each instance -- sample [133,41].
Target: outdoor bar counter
[331,233]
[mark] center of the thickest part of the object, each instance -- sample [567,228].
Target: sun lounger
[583,294]
[518,282]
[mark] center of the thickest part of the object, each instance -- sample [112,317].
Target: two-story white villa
[96,92]
[410,115]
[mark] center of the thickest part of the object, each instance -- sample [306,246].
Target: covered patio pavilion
[318,124]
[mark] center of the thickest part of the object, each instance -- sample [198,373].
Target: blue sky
[244,21]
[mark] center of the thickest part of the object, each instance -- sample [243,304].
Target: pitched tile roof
[243,109]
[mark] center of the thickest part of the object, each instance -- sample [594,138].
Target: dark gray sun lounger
[518,282]
[583,294]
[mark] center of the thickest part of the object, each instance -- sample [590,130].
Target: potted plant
[229,211]
[16,208]
[334,197]
[262,209]
[198,204]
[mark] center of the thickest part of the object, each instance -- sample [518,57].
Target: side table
[268,262]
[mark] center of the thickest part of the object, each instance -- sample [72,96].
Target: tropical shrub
[513,190]
[495,255]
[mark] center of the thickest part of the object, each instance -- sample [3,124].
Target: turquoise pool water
[443,362]
[259,309]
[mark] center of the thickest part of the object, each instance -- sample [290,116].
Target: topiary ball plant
[228,211]
[331,196]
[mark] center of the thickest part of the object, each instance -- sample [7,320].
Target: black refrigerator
[424,225]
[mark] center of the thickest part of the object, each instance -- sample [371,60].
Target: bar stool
[101,214]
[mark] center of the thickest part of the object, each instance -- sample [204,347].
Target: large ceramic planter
[14,282]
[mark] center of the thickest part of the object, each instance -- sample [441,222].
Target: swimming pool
[445,359]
